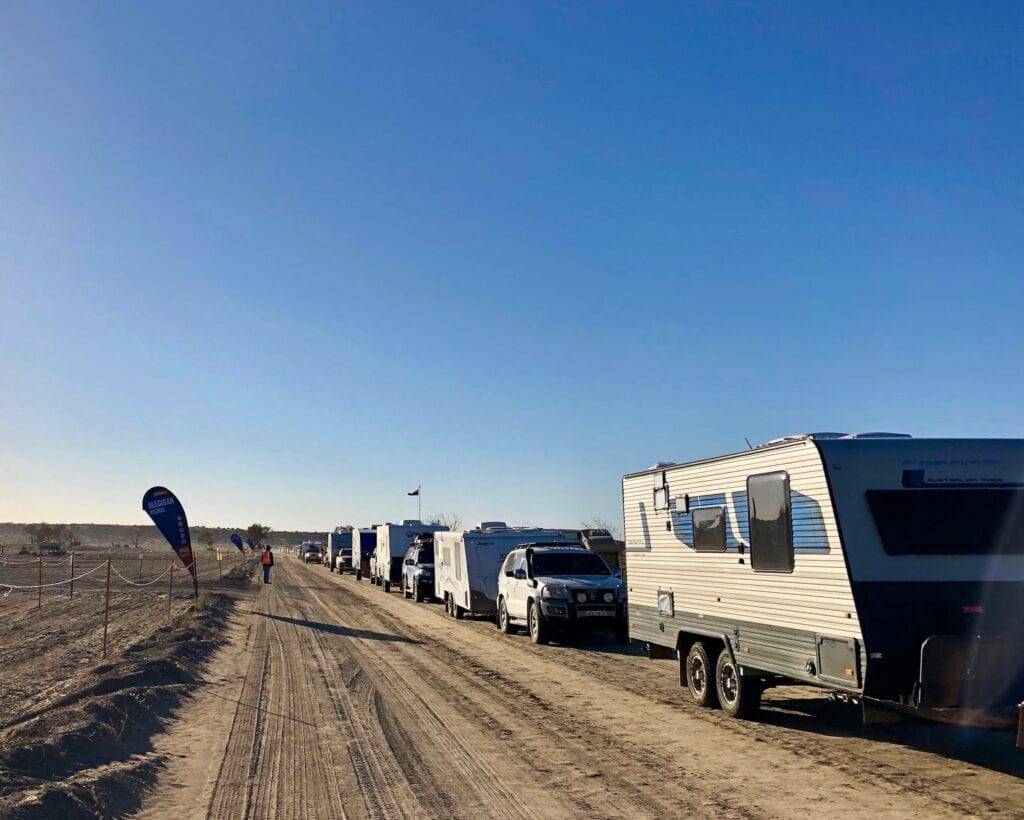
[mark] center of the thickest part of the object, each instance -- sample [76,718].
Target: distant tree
[344,528]
[207,537]
[257,532]
[40,534]
[449,520]
[598,523]
[137,531]
[69,537]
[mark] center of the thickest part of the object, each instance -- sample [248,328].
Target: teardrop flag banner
[251,543]
[169,516]
[236,539]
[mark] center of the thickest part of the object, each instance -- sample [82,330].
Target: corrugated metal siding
[816,597]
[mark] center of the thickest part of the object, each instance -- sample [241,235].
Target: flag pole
[419,502]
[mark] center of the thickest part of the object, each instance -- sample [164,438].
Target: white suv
[560,589]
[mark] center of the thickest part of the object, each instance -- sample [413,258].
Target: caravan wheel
[739,696]
[699,677]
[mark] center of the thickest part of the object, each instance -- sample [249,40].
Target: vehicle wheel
[386,585]
[504,622]
[457,610]
[359,575]
[405,591]
[540,632]
[739,696]
[699,679]
[418,593]
[622,634]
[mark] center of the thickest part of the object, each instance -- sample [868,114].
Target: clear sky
[292,260]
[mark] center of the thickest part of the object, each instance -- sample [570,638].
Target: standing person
[268,562]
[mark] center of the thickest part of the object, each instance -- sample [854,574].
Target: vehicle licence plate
[594,613]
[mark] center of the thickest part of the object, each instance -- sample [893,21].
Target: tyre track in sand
[358,704]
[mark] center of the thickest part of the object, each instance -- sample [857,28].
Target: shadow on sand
[336,629]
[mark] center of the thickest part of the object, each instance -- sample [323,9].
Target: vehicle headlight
[581,597]
[554,591]
[609,596]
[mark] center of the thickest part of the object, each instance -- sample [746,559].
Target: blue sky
[294,260]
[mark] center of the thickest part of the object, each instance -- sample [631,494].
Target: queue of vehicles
[884,569]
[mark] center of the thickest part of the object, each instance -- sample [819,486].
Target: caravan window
[945,521]
[458,564]
[771,522]
[709,529]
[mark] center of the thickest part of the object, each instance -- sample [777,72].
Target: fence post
[40,606]
[170,591]
[140,565]
[106,610]
[72,576]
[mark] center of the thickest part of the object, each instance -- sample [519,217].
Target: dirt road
[335,699]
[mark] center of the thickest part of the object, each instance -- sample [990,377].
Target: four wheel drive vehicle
[558,589]
[311,553]
[467,564]
[418,569]
[393,542]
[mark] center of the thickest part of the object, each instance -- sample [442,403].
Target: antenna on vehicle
[749,445]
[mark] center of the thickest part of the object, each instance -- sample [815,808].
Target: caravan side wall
[777,620]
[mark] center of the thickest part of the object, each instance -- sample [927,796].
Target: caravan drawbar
[885,568]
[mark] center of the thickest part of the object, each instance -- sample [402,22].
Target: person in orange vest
[268,562]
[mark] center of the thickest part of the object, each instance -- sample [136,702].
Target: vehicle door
[517,585]
[505,580]
[408,565]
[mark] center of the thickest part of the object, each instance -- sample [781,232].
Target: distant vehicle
[311,552]
[466,564]
[393,542]
[418,568]
[367,548]
[612,552]
[887,569]
[339,548]
[555,589]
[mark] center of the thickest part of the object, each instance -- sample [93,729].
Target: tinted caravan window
[709,529]
[949,521]
[771,522]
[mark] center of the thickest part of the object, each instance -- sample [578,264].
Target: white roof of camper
[775,442]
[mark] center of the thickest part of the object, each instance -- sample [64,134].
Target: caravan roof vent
[492,525]
[411,522]
[803,436]
[878,435]
[660,465]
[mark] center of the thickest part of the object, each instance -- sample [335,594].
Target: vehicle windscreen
[568,563]
[426,555]
[949,521]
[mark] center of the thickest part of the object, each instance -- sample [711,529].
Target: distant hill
[105,535]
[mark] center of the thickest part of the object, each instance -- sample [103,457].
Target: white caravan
[466,564]
[393,541]
[886,568]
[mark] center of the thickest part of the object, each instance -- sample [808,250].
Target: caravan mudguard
[685,638]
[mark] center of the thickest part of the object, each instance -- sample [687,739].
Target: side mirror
[409,562]
[519,574]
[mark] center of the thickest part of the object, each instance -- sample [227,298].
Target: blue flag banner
[236,539]
[169,516]
[251,543]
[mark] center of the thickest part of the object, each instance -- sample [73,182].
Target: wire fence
[89,575]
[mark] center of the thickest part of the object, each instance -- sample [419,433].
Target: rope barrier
[11,587]
[33,563]
[140,583]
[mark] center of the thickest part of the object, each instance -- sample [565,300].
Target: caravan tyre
[405,591]
[418,593]
[700,679]
[386,585]
[739,696]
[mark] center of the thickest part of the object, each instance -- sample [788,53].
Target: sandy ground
[335,699]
